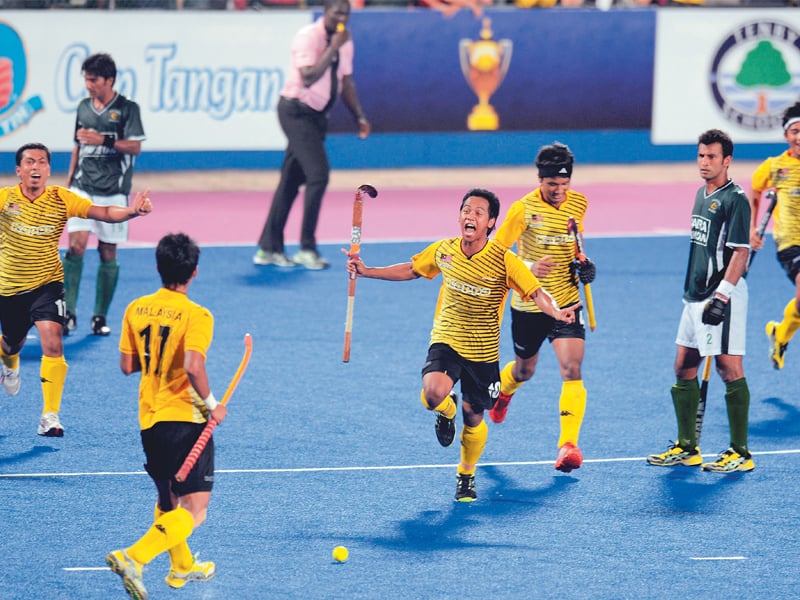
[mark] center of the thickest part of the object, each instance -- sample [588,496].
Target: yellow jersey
[539,229]
[473,293]
[29,234]
[159,329]
[783,173]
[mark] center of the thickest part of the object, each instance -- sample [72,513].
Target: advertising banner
[734,69]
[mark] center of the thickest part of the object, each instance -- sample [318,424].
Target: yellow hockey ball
[340,554]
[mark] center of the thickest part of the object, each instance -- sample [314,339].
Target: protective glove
[714,312]
[586,271]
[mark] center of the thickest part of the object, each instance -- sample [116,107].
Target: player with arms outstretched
[465,341]
[538,224]
[166,336]
[783,174]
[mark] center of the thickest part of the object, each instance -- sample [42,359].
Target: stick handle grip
[196,451]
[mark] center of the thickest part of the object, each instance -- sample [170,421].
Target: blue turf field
[317,453]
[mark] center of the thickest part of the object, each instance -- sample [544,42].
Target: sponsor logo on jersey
[755,74]
[15,110]
[700,229]
[467,288]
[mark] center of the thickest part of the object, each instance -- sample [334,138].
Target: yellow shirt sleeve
[513,225]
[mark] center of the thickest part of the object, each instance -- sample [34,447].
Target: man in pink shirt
[321,69]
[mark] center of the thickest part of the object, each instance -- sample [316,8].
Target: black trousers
[305,162]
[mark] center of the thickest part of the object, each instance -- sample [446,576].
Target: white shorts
[111,233]
[711,340]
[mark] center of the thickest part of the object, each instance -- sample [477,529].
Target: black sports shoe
[70,322]
[99,326]
[465,489]
[446,428]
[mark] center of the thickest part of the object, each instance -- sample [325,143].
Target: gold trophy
[484,63]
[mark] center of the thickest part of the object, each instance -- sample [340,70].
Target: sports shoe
[49,426]
[677,455]
[11,380]
[130,571]
[730,461]
[99,326]
[498,412]
[279,259]
[70,323]
[200,571]
[446,428]
[465,488]
[569,457]
[776,349]
[311,260]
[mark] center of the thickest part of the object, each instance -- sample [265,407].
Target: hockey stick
[355,248]
[701,407]
[762,226]
[580,257]
[205,435]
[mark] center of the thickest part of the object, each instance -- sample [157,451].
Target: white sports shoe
[11,380]
[49,425]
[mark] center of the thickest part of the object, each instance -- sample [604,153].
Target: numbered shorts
[19,312]
[530,329]
[166,444]
[111,233]
[710,340]
[480,382]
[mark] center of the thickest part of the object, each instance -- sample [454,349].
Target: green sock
[737,399]
[685,398]
[73,269]
[107,275]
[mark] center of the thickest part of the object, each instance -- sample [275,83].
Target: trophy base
[483,118]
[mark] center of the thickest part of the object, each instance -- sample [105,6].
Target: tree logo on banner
[14,110]
[755,74]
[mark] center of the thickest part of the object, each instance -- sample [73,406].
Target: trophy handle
[506,46]
[463,57]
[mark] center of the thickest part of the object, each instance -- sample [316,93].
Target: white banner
[202,83]
[733,69]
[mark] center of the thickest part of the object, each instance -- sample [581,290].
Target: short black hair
[793,112]
[555,160]
[713,136]
[32,146]
[100,65]
[490,197]
[176,258]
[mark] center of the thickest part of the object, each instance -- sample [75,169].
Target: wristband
[210,402]
[724,289]
[109,141]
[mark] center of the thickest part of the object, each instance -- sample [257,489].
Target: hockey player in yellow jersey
[32,217]
[464,345]
[538,225]
[166,337]
[782,173]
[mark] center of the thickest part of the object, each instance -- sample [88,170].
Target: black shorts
[480,382]
[166,444]
[19,312]
[790,261]
[530,329]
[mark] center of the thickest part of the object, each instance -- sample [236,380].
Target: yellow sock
[508,385]
[53,373]
[169,530]
[180,555]
[572,406]
[791,321]
[10,361]
[473,441]
[447,407]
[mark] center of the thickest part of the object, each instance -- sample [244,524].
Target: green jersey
[720,223]
[104,171]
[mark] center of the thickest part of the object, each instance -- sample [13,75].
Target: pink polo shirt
[307,46]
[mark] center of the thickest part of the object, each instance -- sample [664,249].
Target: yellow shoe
[677,455]
[776,349]
[200,571]
[130,571]
[730,461]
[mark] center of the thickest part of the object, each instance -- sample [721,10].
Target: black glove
[714,312]
[586,271]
